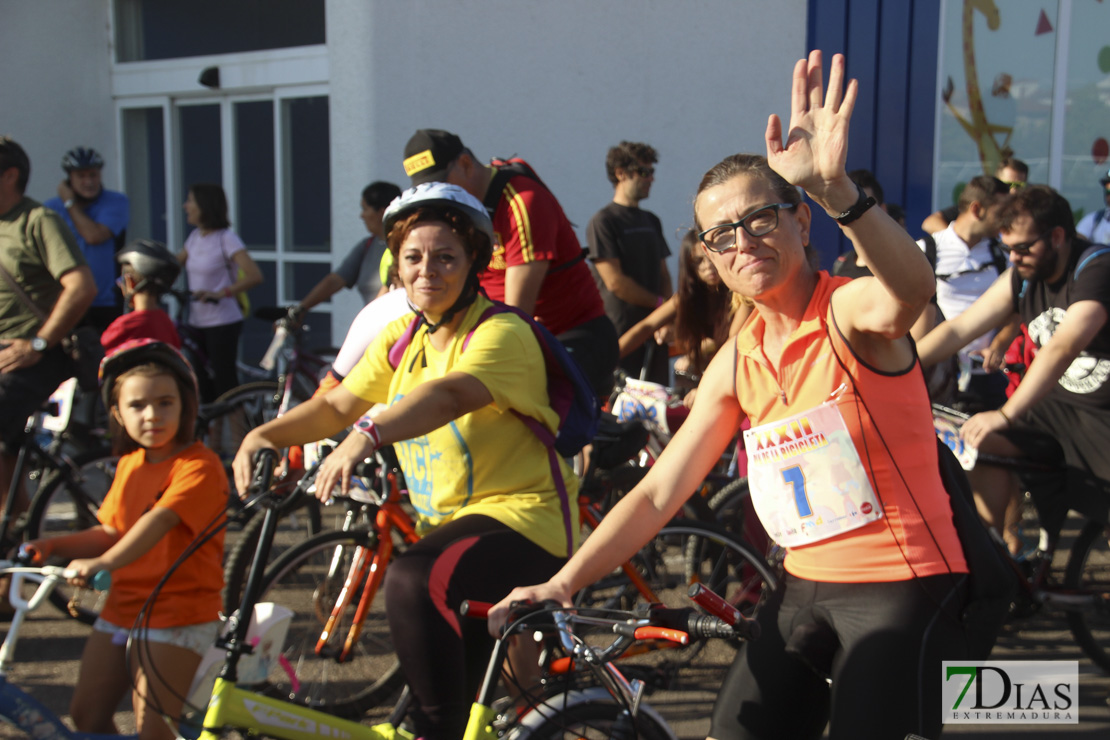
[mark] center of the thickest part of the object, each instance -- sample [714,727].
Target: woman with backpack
[463,386]
[219,269]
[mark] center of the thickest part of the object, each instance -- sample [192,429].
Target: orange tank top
[892,428]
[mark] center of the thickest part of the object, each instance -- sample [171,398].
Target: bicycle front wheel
[589,714]
[308,579]
[67,502]
[1088,572]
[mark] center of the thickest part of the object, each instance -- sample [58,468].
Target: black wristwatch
[39,345]
[864,202]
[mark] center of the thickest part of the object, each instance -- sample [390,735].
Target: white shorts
[195,637]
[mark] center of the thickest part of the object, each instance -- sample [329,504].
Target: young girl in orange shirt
[168,488]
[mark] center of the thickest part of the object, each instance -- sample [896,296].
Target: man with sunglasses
[1013,173]
[1060,286]
[1095,226]
[629,253]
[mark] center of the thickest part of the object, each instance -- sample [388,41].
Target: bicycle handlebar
[263,477]
[726,612]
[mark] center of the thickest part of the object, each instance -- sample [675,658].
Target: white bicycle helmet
[443,195]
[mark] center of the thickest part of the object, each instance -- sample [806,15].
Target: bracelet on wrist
[862,204]
[660,301]
[1009,423]
[228,292]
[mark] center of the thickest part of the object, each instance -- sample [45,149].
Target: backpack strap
[930,250]
[997,256]
[397,351]
[543,434]
[1089,254]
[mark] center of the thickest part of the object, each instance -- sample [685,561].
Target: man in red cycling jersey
[537,263]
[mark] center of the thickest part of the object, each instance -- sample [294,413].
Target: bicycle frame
[233,706]
[18,707]
[389,517]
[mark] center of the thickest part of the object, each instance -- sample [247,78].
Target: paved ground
[50,648]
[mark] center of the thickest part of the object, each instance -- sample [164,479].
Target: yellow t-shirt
[485,462]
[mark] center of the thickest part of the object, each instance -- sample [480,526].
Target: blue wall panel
[891,48]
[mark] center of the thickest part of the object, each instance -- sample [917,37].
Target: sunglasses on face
[1025,247]
[642,171]
[1014,185]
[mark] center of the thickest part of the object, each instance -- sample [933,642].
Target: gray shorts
[195,637]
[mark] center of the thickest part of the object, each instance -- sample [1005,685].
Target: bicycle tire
[249,406]
[299,581]
[64,504]
[291,530]
[682,553]
[586,714]
[1088,570]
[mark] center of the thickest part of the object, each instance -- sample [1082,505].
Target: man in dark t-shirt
[629,253]
[1060,286]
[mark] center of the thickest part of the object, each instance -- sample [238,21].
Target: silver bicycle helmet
[441,195]
[154,264]
[82,158]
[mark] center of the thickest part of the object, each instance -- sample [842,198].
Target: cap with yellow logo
[429,153]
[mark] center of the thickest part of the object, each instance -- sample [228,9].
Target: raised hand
[817,143]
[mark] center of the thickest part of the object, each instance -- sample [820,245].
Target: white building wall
[56,56]
[557,83]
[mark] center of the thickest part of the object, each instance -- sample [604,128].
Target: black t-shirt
[634,237]
[1042,306]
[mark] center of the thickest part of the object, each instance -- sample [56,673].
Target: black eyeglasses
[643,171]
[1025,247]
[757,223]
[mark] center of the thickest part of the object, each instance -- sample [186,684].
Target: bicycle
[17,707]
[339,641]
[581,692]
[73,475]
[1084,593]
[258,711]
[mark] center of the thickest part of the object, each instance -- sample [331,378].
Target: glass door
[271,154]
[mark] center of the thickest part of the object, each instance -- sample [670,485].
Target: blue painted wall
[891,48]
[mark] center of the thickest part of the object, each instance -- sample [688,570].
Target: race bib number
[806,479]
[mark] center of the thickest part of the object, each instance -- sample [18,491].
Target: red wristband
[227,292]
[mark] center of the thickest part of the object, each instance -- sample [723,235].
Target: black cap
[1105,179]
[429,153]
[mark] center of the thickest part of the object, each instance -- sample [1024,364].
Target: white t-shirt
[211,267]
[969,270]
[1099,234]
[369,322]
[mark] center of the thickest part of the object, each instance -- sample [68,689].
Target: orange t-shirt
[895,441]
[193,484]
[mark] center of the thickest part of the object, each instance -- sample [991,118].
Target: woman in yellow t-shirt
[480,481]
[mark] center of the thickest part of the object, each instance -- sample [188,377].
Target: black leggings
[443,656]
[881,643]
[221,345]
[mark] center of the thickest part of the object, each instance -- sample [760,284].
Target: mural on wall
[975,122]
[1004,94]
